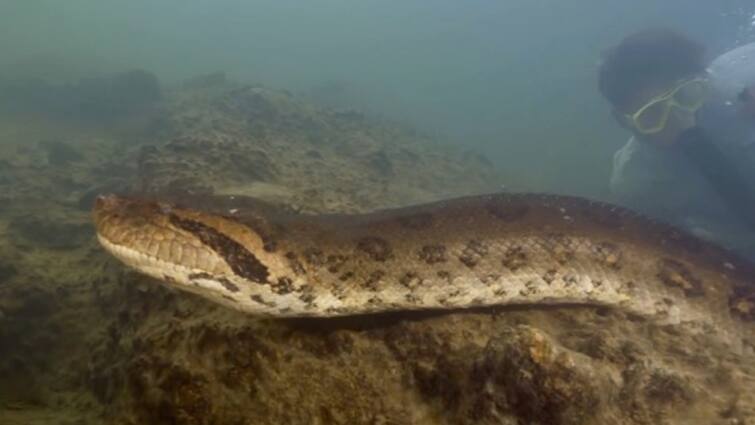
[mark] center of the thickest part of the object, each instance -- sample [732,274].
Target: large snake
[475,251]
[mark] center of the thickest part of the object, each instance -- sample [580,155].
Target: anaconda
[476,251]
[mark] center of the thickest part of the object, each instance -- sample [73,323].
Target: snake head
[210,254]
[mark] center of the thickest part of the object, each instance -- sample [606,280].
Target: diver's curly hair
[649,58]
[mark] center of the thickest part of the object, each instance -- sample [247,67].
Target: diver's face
[660,114]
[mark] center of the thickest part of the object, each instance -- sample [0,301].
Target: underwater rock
[254,105]
[463,370]
[349,114]
[477,156]
[5,171]
[255,166]
[206,81]
[314,154]
[330,92]
[117,95]
[381,163]
[48,232]
[90,99]
[523,372]
[60,153]
[7,271]
[520,375]
[198,164]
[31,303]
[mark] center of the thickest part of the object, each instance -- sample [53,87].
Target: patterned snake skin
[469,252]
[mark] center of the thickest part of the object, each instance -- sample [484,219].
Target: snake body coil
[468,252]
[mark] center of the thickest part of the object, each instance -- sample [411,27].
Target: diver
[691,158]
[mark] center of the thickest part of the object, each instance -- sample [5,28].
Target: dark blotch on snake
[307,299]
[514,258]
[433,254]
[609,254]
[241,261]
[260,300]
[335,262]
[377,248]
[284,286]
[473,252]
[373,280]
[294,263]
[264,231]
[227,284]
[677,275]
[549,276]
[410,280]
[314,257]
[743,306]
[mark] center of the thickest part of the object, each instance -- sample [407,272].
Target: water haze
[514,80]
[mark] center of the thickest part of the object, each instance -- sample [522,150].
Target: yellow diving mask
[688,95]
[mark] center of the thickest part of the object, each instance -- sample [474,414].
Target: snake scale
[477,251]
